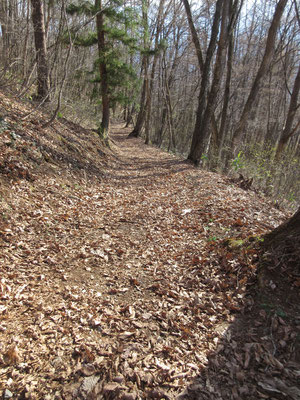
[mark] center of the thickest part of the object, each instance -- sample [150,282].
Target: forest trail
[118,285]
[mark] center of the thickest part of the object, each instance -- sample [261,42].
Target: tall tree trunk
[169,112]
[194,34]
[167,82]
[221,137]
[145,66]
[206,108]
[104,128]
[264,66]
[43,89]
[153,70]
[26,39]
[147,113]
[142,112]
[4,31]
[288,131]
[129,115]
[205,68]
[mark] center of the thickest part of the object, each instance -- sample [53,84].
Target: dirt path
[119,286]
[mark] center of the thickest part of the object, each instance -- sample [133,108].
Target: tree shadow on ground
[258,355]
[165,168]
[67,145]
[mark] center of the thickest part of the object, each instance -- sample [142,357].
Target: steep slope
[115,280]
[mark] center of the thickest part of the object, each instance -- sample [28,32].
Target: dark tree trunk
[129,118]
[289,230]
[220,139]
[41,50]
[159,133]
[207,102]
[283,243]
[5,35]
[142,113]
[103,72]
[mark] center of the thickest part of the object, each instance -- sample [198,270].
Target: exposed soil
[117,280]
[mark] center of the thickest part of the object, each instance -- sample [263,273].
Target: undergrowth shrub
[277,178]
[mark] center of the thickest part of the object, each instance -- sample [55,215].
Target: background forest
[216,81]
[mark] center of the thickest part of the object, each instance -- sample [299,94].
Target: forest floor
[118,280]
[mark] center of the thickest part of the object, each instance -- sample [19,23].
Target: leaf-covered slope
[28,149]
[115,281]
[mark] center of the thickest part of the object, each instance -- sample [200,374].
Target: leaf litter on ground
[115,280]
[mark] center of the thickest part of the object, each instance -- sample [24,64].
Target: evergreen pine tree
[112,29]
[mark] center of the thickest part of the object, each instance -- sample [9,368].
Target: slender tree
[43,88]
[289,130]
[159,26]
[207,97]
[263,68]
[144,72]
[104,128]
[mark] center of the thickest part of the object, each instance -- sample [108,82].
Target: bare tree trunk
[41,50]
[145,66]
[142,112]
[147,112]
[169,113]
[205,68]
[221,137]
[264,66]
[130,113]
[25,47]
[104,128]
[152,75]
[4,31]
[194,34]
[167,82]
[205,111]
[288,131]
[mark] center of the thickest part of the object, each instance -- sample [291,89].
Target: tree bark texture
[283,243]
[206,102]
[288,230]
[5,35]
[43,88]
[104,131]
